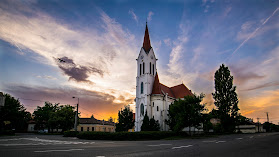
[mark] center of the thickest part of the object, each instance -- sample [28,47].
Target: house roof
[146,41]
[94,121]
[178,91]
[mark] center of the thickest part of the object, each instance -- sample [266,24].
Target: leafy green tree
[64,117]
[43,114]
[149,124]
[226,99]
[15,113]
[125,119]
[185,112]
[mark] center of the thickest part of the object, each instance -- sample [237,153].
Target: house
[152,97]
[92,124]
[250,128]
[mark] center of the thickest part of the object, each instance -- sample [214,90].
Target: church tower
[146,72]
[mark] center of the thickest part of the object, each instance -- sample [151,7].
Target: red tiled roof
[178,91]
[146,41]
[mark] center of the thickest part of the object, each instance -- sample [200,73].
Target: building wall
[148,79]
[97,127]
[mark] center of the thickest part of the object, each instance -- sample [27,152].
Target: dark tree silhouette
[125,119]
[225,98]
[14,114]
[149,124]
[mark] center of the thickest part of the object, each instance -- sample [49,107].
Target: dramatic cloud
[92,55]
[77,72]
[91,102]
[269,84]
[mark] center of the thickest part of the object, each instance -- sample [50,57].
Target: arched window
[153,69]
[157,108]
[141,109]
[140,69]
[150,68]
[141,88]
[143,68]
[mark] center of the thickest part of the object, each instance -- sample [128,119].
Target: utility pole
[267,117]
[76,117]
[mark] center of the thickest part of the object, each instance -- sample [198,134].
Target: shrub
[70,133]
[129,136]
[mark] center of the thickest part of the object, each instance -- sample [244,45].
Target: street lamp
[76,117]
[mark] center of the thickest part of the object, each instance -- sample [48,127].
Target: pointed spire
[146,41]
[156,85]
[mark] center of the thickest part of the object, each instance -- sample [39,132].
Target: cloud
[101,105]
[150,14]
[242,74]
[77,72]
[251,35]
[266,101]
[134,16]
[227,11]
[269,84]
[92,55]
[167,42]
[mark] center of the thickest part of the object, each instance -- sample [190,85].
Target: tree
[125,119]
[225,98]
[52,116]
[185,113]
[43,114]
[110,119]
[149,124]
[14,113]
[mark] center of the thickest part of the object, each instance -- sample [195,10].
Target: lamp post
[76,117]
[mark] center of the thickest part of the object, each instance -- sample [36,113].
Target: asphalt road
[29,145]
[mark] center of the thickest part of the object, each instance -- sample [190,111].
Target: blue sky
[101,40]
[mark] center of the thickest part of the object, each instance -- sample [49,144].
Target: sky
[100,41]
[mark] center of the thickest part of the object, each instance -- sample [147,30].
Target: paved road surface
[30,145]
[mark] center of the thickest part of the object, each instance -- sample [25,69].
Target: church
[153,97]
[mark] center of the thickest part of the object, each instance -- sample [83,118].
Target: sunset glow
[100,41]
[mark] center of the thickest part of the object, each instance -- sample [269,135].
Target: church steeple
[146,41]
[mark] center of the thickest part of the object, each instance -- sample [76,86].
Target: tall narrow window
[157,108]
[81,129]
[141,109]
[153,69]
[153,104]
[92,128]
[143,68]
[141,88]
[150,68]
[140,69]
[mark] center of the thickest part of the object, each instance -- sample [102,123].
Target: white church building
[153,97]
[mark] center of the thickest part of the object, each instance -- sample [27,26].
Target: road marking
[108,142]
[100,156]
[220,141]
[156,145]
[251,136]
[209,141]
[239,138]
[153,145]
[181,147]
[165,144]
[65,150]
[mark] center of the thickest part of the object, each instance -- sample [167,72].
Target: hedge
[70,133]
[129,136]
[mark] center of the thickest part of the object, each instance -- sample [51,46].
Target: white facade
[155,106]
